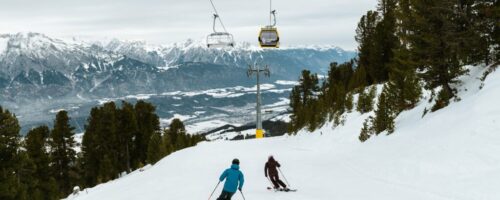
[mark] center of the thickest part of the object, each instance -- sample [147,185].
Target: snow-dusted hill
[448,154]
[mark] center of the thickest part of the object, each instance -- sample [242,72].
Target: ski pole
[272,184]
[214,190]
[284,177]
[242,195]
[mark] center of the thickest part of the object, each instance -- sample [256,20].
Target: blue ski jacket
[232,175]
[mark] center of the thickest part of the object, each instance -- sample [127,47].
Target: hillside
[448,154]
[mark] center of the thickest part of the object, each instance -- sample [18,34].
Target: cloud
[301,22]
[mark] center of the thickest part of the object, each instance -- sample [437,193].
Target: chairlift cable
[270,11]
[217,13]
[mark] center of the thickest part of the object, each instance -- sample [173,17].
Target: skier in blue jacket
[233,176]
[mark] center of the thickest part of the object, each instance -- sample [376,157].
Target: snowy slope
[449,154]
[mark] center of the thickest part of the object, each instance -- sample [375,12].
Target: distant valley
[185,80]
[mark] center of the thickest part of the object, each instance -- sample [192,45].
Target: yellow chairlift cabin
[269,36]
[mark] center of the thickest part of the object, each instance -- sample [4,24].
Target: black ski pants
[276,181]
[225,195]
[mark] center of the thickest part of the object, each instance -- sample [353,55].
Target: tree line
[404,46]
[45,165]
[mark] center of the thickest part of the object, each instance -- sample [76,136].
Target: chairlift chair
[219,39]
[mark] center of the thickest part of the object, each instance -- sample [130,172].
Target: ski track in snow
[451,154]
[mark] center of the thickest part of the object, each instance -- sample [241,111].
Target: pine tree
[384,116]
[403,87]
[360,106]
[365,100]
[26,178]
[340,99]
[303,97]
[335,88]
[126,128]
[147,124]
[109,139]
[404,91]
[358,80]
[435,46]
[442,100]
[114,140]
[349,102]
[42,185]
[365,36]
[365,133]
[490,11]
[385,41]
[297,120]
[472,34]
[105,172]
[156,149]
[10,159]
[167,142]
[372,93]
[176,130]
[91,148]
[62,153]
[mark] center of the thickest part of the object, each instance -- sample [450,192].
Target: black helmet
[236,161]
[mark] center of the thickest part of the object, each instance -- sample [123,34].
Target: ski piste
[281,190]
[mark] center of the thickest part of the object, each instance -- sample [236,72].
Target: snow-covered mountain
[314,58]
[448,154]
[51,74]
[34,66]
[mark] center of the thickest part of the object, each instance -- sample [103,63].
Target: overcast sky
[300,22]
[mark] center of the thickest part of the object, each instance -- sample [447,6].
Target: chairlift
[269,36]
[219,39]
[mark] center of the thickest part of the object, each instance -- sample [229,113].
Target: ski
[282,190]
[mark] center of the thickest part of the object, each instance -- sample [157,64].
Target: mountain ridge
[50,74]
[33,61]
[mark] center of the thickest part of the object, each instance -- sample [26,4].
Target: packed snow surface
[451,154]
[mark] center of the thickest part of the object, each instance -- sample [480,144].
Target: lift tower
[259,133]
